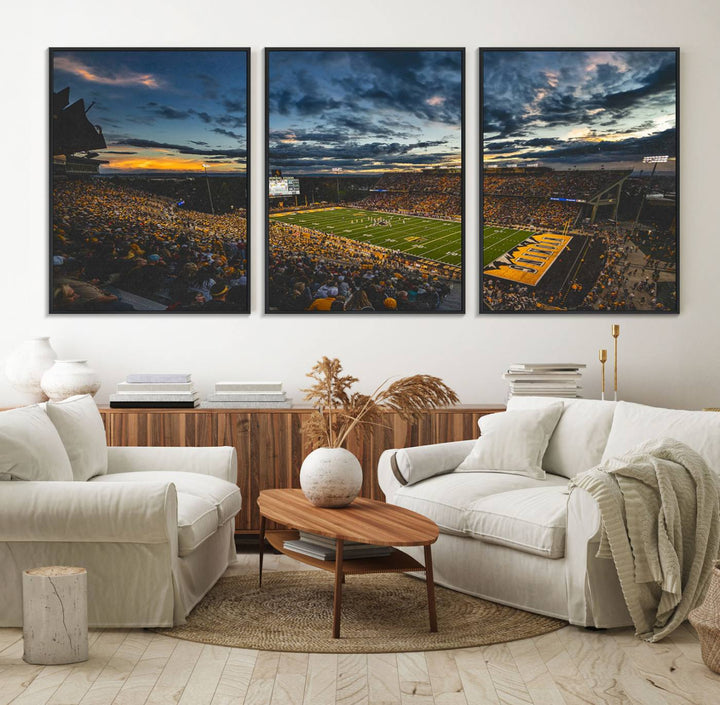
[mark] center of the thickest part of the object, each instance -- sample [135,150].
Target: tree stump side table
[55,624]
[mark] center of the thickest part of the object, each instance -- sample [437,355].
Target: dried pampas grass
[338,410]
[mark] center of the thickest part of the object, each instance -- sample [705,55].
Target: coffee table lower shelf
[396,562]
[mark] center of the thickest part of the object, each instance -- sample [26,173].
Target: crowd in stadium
[530,212]
[540,183]
[311,271]
[109,239]
[433,194]
[626,282]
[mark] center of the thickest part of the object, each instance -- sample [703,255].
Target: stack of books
[247,395]
[544,379]
[156,391]
[323,548]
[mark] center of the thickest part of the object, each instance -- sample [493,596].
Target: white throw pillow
[81,429]
[30,447]
[579,439]
[513,442]
[634,424]
[420,462]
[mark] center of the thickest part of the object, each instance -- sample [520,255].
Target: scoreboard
[283,186]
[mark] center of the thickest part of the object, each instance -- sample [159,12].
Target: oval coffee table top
[365,520]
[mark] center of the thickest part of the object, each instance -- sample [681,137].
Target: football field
[438,240]
[498,240]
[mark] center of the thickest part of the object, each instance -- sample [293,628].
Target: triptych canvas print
[364,182]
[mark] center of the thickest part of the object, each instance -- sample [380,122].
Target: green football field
[439,240]
[497,241]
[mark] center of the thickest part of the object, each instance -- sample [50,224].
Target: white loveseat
[154,527]
[529,542]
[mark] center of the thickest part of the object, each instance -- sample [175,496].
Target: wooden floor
[568,666]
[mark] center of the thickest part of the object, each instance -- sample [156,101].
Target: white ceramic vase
[26,366]
[331,477]
[66,378]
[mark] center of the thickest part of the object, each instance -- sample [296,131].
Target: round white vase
[331,477]
[66,378]
[26,366]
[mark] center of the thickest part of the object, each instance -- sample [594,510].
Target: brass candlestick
[615,330]
[603,360]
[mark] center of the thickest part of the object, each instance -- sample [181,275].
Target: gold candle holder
[615,330]
[603,360]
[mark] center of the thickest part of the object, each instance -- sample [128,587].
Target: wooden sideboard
[270,443]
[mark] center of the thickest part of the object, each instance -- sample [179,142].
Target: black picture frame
[362,113]
[149,170]
[554,109]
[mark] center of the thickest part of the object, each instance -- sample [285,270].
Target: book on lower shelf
[323,552]
[247,395]
[155,391]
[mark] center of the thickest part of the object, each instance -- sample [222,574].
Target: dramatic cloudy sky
[364,111]
[162,111]
[579,109]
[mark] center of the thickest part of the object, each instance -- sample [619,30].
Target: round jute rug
[380,613]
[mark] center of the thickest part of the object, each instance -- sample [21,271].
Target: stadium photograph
[579,180]
[365,182]
[149,195]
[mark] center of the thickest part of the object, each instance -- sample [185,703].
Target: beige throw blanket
[659,509]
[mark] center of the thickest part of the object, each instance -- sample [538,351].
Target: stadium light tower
[207,179]
[336,171]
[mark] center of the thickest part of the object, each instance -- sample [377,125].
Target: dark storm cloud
[167,112]
[352,156]
[184,149]
[329,107]
[227,133]
[526,92]
[628,149]
[205,117]
[234,105]
[110,151]
[211,86]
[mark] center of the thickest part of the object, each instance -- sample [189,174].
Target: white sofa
[529,542]
[154,527]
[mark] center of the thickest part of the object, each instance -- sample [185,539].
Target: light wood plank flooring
[568,667]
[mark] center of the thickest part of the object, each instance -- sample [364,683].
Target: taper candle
[603,360]
[615,330]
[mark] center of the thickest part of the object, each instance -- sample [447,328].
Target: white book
[248,387]
[155,396]
[573,366]
[246,404]
[161,377]
[248,396]
[130,387]
[544,376]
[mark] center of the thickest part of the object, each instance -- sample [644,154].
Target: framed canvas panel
[364,181]
[149,188]
[580,179]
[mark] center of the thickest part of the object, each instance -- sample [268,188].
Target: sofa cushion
[446,499]
[81,429]
[634,424]
[421,462]
[223,495]
[532,520]
[513,442]
[580,437]
[197,521]
[30,447]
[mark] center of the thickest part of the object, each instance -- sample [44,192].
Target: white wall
[665,360]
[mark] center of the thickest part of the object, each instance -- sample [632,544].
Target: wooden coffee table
[364,520]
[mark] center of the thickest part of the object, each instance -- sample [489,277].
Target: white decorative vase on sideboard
[331,477]
[25,366]
[66,378]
